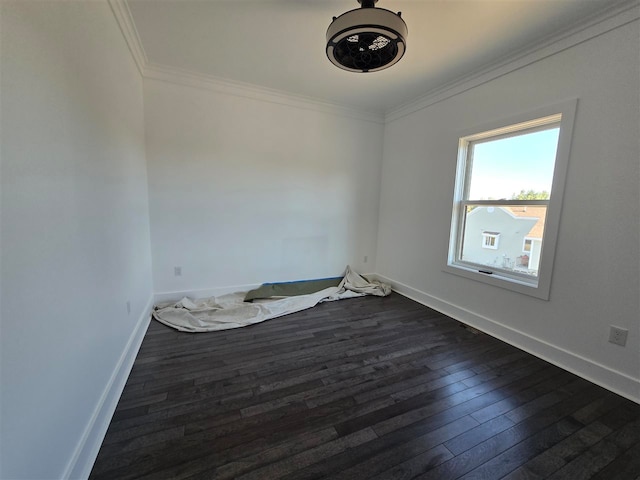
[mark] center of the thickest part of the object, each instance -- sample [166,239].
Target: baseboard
[612,380]
[82,461]
[205,293]
[214,292]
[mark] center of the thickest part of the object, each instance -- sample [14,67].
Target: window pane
[503,168]
[494,236]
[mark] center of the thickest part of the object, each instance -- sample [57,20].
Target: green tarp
[291,289]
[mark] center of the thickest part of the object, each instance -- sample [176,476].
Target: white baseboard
[214,292]
[217,291]
[205,293]
[81,463]
[612,380]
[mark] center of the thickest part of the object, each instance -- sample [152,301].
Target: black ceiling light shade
[366,39]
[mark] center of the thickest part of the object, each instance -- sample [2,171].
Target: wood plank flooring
[366,388]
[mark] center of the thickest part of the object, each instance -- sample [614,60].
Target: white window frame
[486,243]
[524,244]
[564,115]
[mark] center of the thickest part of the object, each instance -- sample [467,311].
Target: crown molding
[178,76]
[121,11]
[255,92]
[601,22]
[594,26]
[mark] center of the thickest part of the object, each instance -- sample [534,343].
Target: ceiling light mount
[367,39]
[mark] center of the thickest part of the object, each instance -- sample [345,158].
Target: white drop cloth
[231,311]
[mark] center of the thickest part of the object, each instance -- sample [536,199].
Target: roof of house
[528,211]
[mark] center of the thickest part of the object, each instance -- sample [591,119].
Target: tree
[530,195]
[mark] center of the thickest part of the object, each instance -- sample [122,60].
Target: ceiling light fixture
[366,39]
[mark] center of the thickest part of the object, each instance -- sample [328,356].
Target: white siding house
[505,237]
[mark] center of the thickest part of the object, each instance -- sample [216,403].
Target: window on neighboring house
[490,240]
[507,200]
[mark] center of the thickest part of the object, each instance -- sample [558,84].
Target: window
[490,240]
[507,200]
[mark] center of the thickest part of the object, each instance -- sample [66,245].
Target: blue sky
[506,166]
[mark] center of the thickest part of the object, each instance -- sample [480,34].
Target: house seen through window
[504,189]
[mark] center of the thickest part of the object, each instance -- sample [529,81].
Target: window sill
[497,279]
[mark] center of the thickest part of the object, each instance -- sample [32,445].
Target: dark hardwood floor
[367,388]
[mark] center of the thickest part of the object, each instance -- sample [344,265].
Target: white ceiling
[279,44]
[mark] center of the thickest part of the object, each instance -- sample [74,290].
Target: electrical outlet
[128,307]
[177,271]
[618,335]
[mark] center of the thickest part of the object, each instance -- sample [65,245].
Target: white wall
[245,191]
[596,276]
[75,232]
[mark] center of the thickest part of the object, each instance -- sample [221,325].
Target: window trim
[490,235]
[564,113]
